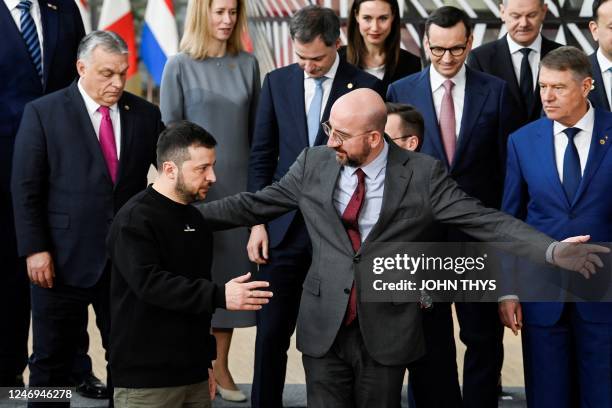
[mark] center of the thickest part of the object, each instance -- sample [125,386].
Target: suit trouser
[482,333]
[568,364]
[347,376]
[15,307]
[286,269]
[58,315]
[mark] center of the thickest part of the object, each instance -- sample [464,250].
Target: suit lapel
[475,97]
[432,127]
[397,179]
[296,95]
[127,126]
[48,11]
[85,128]
[331,171]
[507,71]
[599,93]
[339,87]
[544,148]
[600,142]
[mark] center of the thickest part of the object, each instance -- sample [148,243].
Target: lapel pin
[602,142]
[126,107]
[53,6]
[350,85]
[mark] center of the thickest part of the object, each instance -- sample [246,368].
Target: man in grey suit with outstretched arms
[360,190]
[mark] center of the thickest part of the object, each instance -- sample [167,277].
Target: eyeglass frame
[331,132]
[463,48]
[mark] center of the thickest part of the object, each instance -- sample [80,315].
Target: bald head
[362,108]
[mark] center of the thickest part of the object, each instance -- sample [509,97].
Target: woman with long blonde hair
[215,84]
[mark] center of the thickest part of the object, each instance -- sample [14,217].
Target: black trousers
[58,316]
[15,308]
[286,269]
[347,376]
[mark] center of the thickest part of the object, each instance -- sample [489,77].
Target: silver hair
[108,40]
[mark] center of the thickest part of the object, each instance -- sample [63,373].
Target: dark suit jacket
[407,64]
[479,161]
[598,96]
[494,58]
[20,84]
[281,132]
[63,196]
[534,193]
[417,193]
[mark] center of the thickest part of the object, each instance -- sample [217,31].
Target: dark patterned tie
[571,165]
[526,80]
[30,36]
[350,219]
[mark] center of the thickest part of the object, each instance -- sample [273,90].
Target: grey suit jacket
[418,193]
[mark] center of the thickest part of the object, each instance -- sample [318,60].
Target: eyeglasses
[401,137]
[455,51]
[338,136]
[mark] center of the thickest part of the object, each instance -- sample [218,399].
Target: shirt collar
[604,63]
[374,168]
[331,74]
[586,123]
[438,79]
[536,45]
[91,105]
[11,4]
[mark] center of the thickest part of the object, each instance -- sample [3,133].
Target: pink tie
[447,121]
[107,142]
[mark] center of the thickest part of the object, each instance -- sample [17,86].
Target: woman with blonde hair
[215,84]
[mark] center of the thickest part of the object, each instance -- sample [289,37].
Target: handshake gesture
[240,294]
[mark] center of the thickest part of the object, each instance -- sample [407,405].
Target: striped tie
[30,35]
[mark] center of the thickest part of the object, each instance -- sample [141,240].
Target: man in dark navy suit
[601,60]
[466,115]
[515,57]
[293,103]
[40,45]
[80,154]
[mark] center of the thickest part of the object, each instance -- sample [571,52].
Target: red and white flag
[85,14]
[116,16]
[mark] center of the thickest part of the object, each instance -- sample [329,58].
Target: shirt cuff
[550,252]
[507,297]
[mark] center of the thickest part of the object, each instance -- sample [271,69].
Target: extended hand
[212,384]
[575,255]
[511,314]
[243,295]
[40,269]
[257,247]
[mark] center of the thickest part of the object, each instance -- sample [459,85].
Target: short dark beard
[181,190]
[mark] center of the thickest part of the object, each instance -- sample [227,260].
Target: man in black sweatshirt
[162,297]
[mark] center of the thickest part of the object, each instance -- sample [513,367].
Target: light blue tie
[30,35]
[314,111]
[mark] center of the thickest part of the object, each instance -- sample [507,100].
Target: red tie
[447,121]
[350,219]
[107,143]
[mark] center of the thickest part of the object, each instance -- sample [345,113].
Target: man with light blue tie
[558,181]
[294,101]
[601,60]
[40,41]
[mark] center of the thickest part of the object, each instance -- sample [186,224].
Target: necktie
[526,79]
[350,220]
[447,121]
[30,36]
[571,165]
[314,111]
[107,143]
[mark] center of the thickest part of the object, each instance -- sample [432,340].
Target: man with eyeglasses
[515,57]
[294,101]
[467,118]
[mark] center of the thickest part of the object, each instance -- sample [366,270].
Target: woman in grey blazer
[215,84]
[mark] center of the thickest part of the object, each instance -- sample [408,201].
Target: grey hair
[505,2]
[568,58]
[313,21]
[108,40]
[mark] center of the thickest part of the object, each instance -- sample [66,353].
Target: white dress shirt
[310,85]
[582,140]
[437,91]
[605,65]
[96,117]
[35,12]
[534,57]
[374,189]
